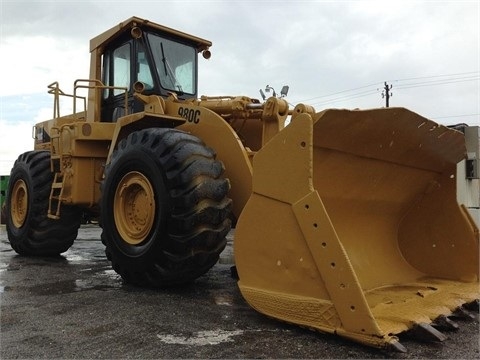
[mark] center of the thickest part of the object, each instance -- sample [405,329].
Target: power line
[454,78]
[346,97]
[337,93]
[437,82]
[436,76]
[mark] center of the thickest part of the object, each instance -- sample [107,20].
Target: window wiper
[168,69]
[164,59]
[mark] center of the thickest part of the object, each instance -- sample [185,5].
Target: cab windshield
[174,63]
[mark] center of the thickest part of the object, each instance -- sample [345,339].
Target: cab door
[123,65]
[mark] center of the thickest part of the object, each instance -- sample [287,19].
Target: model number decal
[190,115]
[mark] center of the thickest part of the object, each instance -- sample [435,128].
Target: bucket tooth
[445,323]
[472,306]
[426,332]
[463,314]
[397,346]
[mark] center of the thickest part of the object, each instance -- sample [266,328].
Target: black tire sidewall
[20,171]
[39,235]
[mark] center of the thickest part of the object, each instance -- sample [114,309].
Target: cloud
[35,61]
[318,48]
[15,138]
[56,19]
[18,115]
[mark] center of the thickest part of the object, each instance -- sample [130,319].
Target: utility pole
[387,94]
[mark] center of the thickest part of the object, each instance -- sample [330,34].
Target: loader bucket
[353,226]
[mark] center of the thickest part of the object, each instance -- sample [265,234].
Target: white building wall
[468,189]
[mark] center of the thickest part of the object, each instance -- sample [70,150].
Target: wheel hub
[19,203]
[134,207]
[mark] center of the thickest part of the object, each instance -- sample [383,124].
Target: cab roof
[127,25]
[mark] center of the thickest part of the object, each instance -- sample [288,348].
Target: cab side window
[121,68]
[144,73]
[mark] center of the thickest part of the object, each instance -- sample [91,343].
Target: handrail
[98,85]
[55,90]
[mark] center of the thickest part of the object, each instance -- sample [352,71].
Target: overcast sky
[331,53]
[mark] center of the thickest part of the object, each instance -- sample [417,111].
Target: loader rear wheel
[30,231]
[164,209]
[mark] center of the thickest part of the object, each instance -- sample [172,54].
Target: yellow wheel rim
[19,203]
[134,207]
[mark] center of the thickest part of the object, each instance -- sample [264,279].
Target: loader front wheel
[30,231]
[164,208]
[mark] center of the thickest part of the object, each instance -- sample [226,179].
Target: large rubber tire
[164,208]
[29,230]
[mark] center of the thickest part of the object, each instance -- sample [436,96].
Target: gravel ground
[75,306]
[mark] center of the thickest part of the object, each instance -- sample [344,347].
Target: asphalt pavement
[76,307]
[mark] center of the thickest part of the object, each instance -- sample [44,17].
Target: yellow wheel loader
[346,221]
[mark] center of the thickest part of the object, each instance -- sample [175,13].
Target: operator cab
[162,59]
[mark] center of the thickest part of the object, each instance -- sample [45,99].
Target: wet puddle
[72,286]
